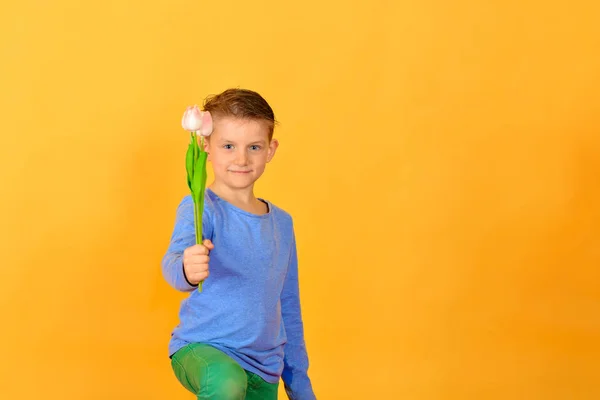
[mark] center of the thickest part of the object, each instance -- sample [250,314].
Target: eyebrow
[263,141]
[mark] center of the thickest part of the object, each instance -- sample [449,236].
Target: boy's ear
[272,149]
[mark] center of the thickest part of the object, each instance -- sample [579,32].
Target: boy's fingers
[200,259]
[200,276]
[199,249]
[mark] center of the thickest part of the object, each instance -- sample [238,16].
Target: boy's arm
[184,236]
[295,369]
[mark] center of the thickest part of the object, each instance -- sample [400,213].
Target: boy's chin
[239,184]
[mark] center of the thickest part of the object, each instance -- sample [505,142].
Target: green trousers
[212,375]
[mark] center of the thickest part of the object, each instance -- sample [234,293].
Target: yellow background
[440,158]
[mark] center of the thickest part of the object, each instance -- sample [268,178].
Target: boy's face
[239,150]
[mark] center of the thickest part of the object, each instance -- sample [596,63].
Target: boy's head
[241,104]
[242,140]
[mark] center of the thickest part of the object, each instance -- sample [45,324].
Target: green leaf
[199,177]
[189,164]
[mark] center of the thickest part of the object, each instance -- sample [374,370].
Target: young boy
[244,330]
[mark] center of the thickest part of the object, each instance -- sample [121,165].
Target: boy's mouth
[240,172]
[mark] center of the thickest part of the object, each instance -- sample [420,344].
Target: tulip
[194,120]
[197,122]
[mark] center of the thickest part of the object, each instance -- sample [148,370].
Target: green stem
[198,203]
[198,219]
[198,223]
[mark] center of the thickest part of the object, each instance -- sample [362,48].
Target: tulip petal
[184,119]
[192,119]
[207,124]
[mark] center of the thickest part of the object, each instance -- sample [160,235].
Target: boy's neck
[242,198]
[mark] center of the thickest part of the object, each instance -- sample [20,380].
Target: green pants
[211,374]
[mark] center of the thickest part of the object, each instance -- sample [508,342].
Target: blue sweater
[249,306]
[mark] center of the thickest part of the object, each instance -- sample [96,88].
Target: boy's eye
[228,146]
[255,147]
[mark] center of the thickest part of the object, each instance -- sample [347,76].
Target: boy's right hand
[195,261]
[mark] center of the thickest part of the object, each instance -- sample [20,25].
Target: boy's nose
[241,158]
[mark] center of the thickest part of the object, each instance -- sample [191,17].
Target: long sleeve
[295,371]
[183,236]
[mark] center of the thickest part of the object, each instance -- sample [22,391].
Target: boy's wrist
[185,276]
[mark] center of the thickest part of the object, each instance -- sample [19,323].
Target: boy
[244,331]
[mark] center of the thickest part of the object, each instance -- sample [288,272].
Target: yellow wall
[440,159]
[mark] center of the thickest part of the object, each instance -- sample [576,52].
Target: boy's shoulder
[279,211]
[187,200]
[211,201]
